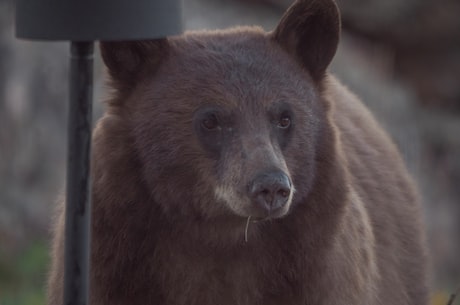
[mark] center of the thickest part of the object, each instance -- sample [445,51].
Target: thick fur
[170,215]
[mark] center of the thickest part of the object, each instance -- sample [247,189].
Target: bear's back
[380,179]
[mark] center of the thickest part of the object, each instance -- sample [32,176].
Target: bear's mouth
[252,219]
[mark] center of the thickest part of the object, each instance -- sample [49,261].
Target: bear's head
[228,123]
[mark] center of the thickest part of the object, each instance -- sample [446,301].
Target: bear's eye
[210,122]
[284,122]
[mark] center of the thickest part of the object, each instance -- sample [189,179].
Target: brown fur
[169,216]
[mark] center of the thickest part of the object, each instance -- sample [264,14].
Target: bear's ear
[310,31]
[125,59]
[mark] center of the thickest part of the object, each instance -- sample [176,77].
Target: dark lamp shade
[87,20]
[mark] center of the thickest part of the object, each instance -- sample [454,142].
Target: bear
[231,167]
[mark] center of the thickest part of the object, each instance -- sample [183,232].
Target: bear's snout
[270,192]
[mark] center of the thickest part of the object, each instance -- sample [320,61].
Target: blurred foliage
[439,298]
[23,276]
[445,298]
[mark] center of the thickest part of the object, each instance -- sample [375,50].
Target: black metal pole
[78,207]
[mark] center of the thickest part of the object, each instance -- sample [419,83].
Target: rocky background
[402,57]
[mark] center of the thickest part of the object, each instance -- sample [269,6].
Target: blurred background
[402,57]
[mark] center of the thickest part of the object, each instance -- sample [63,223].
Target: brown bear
[231,168]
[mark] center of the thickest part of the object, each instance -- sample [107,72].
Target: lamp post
[82,22]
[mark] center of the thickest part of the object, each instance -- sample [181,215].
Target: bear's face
[223,123]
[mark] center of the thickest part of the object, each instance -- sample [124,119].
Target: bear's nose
[270,190]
